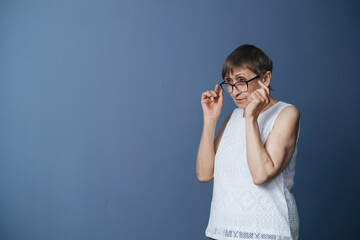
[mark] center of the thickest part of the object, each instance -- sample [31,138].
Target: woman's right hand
[212,102]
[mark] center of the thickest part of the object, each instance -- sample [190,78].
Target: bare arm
[207,149]
[266,162]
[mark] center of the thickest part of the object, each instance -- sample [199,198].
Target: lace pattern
[239,208]
[234,234]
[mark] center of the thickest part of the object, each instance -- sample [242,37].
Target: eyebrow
[240,73]
[236,76]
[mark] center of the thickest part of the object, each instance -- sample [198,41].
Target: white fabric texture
[239,208]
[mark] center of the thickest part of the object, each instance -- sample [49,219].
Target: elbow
[204,178]
[260,180]
[264,175]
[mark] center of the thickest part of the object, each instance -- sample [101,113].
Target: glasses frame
[234,85]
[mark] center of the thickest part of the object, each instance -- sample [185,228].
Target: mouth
[240,100]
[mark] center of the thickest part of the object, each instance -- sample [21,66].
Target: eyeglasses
[241,86]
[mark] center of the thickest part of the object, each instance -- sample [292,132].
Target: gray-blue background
[101,117]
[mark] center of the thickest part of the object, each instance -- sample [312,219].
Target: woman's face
[242,99]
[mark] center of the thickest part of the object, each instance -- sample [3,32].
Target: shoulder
[289,111]
[229,116]
[221,131]
[288,116]
[226,120]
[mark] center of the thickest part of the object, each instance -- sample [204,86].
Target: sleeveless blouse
[239,208]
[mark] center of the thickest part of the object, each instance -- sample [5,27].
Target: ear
[267,78]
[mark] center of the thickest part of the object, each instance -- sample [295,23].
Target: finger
[206,99]
[221,95]
[204,96]
[210,95]
[217,86]
[214,94]
[262,92]
[207,94]
[258,96]
[264,95]
[266,88]
[254,97]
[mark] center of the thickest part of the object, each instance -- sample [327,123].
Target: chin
[241,105]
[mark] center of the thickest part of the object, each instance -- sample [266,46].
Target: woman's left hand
[259,99]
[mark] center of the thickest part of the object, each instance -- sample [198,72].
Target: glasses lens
[226,87]
[241,86]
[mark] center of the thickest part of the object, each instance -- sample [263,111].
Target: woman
[252,159]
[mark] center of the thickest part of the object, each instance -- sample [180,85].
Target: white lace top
[239,208]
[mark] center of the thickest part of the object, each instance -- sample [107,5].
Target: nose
[235,92]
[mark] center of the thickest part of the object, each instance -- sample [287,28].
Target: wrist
[209,125]
[210,118]
[251,119]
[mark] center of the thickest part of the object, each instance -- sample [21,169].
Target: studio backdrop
[100,114]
